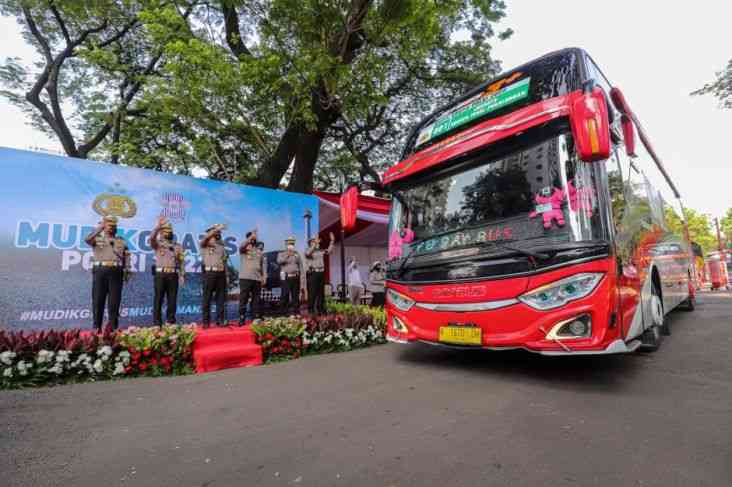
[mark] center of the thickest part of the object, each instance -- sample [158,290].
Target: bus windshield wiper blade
[406,259]
[528,253]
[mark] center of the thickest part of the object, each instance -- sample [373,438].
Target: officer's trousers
[106,288]
[249,288]
[214,287]
[316,292]
[166,287]
[291,294]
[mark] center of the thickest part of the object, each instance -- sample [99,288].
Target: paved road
[396,416]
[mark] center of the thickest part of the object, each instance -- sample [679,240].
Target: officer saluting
[109,270]
[314,258]
[169,271]
[291,267]
[252,276]
[214,274]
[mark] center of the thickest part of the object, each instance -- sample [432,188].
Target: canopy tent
[367,242]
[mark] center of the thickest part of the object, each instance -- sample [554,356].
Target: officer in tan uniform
[214,274]
[169,271]
[291,270]
[109,271]
[252,276]
[315,262]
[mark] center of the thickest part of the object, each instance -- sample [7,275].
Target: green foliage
[721,88]
[241,88]
[700,227]
[378,315]
[725,224]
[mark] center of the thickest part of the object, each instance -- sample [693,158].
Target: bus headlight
[400,301]
[563,291]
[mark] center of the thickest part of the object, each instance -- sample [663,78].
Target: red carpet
[225,348]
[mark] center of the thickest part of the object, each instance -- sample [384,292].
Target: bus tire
[652,337]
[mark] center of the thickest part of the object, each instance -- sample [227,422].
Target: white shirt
[354,276]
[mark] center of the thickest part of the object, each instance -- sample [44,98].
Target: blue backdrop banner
[50,203]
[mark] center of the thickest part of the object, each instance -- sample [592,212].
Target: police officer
[291,267]
[252,276]
[314,259]
[109,271]
[214,274]
[169,271]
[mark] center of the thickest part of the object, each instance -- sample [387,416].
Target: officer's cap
[290,240]
[166,226]
[110,219]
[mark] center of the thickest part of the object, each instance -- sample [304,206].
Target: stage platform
[225,347]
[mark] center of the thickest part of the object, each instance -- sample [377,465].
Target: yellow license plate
[460,335]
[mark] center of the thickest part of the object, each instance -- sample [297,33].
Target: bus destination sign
[474,109]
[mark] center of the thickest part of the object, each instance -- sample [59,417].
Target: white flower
[57,369]
[124,354]
[7,357]
[119,369]
[62,356]
[8,372]
[98,366]
[44,356]
[105,351]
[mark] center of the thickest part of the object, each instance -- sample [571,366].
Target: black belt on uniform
[296,274]
[318,269]
[166,270]
[213,269]
[107,263]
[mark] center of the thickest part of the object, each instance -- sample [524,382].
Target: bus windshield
[540,195]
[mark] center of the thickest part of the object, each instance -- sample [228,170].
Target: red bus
[534,213]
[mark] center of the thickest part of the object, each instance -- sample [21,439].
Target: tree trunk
[274,169]
[308,149]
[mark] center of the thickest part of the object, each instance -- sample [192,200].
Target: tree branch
[61,23]
[233,33]
[39,37]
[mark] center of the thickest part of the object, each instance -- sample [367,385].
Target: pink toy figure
[580,197]
[549,204]
[396,241]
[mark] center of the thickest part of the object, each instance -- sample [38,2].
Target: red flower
[146,353]
[268,336]
[143,367]
[128,369]
[154,362]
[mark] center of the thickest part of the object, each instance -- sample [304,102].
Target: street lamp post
[308,216]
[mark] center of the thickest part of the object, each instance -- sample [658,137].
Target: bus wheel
[651,338]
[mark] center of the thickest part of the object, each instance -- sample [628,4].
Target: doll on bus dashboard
[399,238]
[549,205]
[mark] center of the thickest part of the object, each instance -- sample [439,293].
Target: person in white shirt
[377,277]
[355,284]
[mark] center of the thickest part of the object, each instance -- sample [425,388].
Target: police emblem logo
[114,203]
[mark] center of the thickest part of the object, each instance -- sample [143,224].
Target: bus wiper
[528,253]
[400,271]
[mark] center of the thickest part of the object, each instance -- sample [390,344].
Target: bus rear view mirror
[349,208]
[626,119]
[591,126]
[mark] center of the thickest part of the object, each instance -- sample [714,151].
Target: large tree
[259,91]
[700,227]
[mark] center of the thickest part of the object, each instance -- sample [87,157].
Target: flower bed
[57,357]
[350,328]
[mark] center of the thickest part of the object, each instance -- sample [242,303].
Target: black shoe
[205,326]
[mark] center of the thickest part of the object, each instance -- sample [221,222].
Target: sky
[657,52]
